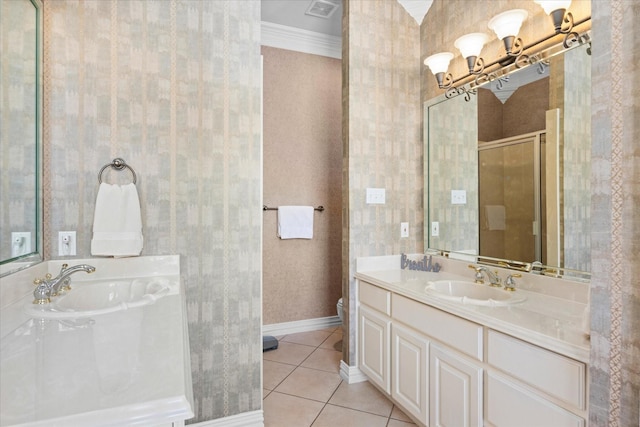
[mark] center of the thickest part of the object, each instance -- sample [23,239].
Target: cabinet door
[455,390]
[510,404]
[409,367]
[374,346]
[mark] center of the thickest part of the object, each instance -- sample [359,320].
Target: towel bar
[117,164]
[266,208]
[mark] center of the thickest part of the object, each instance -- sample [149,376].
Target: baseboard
[351,374]
[301,326]
[245,419]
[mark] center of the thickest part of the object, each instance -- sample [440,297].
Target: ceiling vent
[322,8]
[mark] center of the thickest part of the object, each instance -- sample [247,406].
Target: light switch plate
[375,196]
[404,229]
[458,197]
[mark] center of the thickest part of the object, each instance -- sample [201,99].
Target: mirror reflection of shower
[512,198]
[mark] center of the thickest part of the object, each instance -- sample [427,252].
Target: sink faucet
[482,271]
[50,286]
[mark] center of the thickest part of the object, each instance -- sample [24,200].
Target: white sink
[92,298]
[471,293]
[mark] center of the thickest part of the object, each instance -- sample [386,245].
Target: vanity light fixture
[506,26]
[470,46]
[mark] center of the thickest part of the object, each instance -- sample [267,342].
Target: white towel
[295,222]
[495,217]
[117,223]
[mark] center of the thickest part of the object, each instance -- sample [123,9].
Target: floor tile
[398,414]
[282,410]
[310,384]
[323,359]
[314,338]
[363,397]
[398,423]
[274,372]
[290,353]
[333,342]
[333,416]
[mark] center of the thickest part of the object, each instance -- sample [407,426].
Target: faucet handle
[479,277]
[510,283]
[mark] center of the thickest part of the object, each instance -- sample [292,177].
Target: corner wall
[382,138]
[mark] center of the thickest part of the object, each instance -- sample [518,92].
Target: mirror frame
[467,90]
[12,265]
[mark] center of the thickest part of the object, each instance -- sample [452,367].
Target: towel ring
[117,164]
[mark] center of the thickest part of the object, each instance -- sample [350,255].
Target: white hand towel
[495,216]
[295,222]
[117,223]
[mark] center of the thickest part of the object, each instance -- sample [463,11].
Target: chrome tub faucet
[51,286]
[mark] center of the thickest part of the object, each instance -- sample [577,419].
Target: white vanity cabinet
[374,326]
[531,386]
[410,371]
[444,370]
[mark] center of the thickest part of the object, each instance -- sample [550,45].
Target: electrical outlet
[435,229]
[404,229]
[20,243]
[67,243]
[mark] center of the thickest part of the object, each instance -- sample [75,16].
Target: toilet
[339,309]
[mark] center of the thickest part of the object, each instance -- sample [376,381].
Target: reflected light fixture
[506,26]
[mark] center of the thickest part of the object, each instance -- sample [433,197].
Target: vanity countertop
[547,321]
[129,367]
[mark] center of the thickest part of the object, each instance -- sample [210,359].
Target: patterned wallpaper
[615,238]
[173,87]
[382,137]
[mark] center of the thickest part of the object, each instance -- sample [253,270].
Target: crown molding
[290,38]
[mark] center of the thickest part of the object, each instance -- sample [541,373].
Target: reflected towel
[495,217]
[295,222]
[117,223]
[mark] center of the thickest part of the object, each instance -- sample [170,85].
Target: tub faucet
[482,271]
[50,286]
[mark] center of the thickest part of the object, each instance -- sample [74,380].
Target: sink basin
[471,293]
[94,298]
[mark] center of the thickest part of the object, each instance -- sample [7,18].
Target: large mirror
[20,140]
[508,168]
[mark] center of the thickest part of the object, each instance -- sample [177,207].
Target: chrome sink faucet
[482,271]
[51,286]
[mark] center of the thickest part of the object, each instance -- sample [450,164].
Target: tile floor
[303,388]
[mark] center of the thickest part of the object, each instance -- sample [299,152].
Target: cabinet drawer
[460,334]
[508,404]
[375,297]
[554,374]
